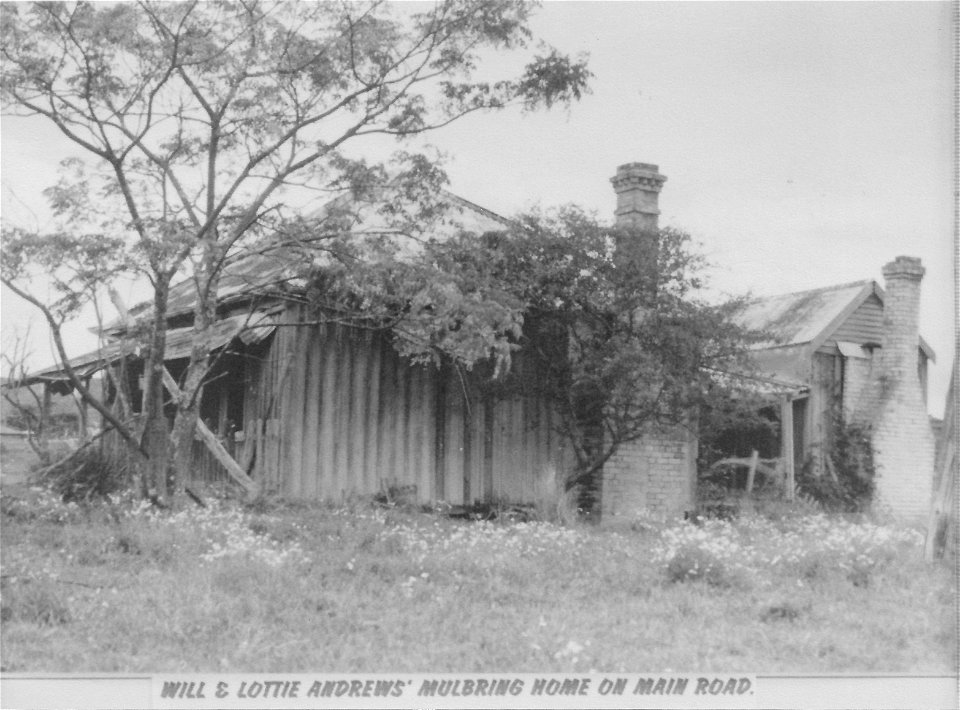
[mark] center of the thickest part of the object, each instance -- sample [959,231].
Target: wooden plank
[292,403]
[340,473]
[322,413]
[942,503]
[271,450]
[488,431]
[360,349]
[786,444]
[440,434]
[467,449]
[258,451]
[400,410]
[420,403]
[453,438]
[371,436]
[752,471]
[385,448]
[216,448]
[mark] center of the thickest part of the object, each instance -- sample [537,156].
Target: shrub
[90,474]
[849,487]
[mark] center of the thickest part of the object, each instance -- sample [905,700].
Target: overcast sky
[805,144]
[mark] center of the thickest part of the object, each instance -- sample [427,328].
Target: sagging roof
[809,317]
[275,270]
[272,271]
[249,328]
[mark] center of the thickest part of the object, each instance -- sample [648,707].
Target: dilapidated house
[856,350]
[308,409]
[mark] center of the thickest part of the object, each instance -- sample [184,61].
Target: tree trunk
[155,438]
[205,315]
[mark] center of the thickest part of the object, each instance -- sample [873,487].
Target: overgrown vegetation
[92,473]
[205,126]
[606,324]
[281,588]
[845,483]
[733,424]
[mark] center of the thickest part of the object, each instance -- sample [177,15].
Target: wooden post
[212,443]
[84,414]
[942,502]
[223,402]
[752,471]
[786,443]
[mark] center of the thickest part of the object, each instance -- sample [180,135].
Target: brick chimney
[637,186]
[902,437]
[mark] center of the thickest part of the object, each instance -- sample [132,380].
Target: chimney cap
[630,167]
[638,175]
[904,267]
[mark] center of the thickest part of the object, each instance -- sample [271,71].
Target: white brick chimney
[638,186]
[902,437]
[656,473]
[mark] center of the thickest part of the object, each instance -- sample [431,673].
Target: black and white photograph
[478,353]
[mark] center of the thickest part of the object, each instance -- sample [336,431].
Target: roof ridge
[834,287]
[474,206]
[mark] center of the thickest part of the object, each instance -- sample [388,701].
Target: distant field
[16,459]
[302,588]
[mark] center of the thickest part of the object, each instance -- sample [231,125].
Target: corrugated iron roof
[249,327]
[809,316]
[798,318]
[276,269]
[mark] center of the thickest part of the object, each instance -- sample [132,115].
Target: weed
[692,563]
[90,474]
[363,588]
[785,611]
[37,602]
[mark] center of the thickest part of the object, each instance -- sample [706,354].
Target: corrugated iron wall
[332,412]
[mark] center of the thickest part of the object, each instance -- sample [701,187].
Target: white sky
[806,144]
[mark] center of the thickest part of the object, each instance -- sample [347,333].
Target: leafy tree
[607,324]
[204,121]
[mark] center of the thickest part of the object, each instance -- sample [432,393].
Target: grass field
[306,588]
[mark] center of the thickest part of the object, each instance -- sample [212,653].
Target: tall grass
[117,587]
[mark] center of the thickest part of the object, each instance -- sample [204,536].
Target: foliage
[604,323]
[208,125]
[91,473]
[734,426]
[848,483]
